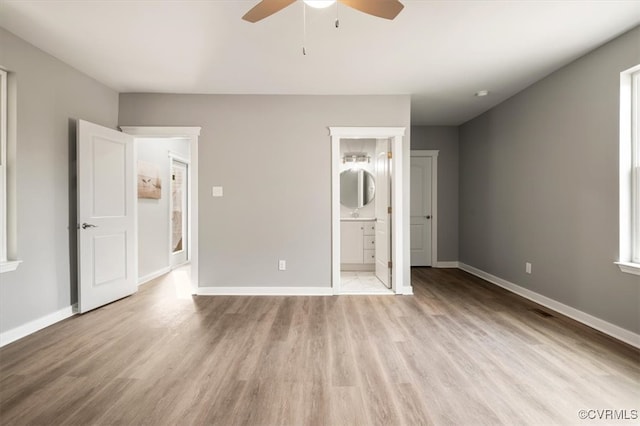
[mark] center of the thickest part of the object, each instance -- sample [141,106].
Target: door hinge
[390,264]
[389,210]
[173,177]
[389,154]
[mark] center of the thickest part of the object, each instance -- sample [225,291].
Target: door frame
[395,134]
[191,134]
[187,162]
[433,154]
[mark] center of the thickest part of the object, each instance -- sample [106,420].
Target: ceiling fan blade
[266,8]
[387,9]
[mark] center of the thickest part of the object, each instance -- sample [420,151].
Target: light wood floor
[459,352]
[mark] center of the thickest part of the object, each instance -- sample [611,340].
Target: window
[630,171]
[635,167]
[5,264]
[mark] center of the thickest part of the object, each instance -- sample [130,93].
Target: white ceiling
[440,52]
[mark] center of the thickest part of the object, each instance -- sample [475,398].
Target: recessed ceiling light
[481,93]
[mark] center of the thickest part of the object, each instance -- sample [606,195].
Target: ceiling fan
[387,9]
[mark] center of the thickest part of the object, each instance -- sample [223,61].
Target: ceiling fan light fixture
[319,4]
[387,9]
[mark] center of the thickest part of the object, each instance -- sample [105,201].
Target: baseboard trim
[265,291]
[448,264]
[612,330]
[31,327]
[145,279]
[407,290]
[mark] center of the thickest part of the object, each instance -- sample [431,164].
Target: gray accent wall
[50,96]
[271,155]
[539,184]
[445,140]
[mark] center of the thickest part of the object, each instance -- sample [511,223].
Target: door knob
[88,225]
[428,217]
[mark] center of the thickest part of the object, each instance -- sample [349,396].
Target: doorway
[423,216]
[364,216]
[186,247]
[360,225]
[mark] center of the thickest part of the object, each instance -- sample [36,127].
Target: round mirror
[357,188]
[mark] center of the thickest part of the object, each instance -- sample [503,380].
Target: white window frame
[629,260]
[5,264]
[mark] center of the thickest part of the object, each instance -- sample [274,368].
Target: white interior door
[106,216]
[382,200]
[178,212]
[421,211]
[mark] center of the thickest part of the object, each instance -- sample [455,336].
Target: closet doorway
[424,208]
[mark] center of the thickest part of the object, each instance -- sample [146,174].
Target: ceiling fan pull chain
[304,28]
[337,16]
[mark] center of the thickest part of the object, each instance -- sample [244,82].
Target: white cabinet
[351,242]
[357,242]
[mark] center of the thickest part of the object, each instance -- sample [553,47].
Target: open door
[383,234]
[179,213]
[106,216]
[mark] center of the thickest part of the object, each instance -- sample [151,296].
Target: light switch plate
[216,191]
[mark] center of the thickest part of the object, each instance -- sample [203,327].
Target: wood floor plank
[460,351]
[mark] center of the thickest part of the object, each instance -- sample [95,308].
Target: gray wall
[539,183]
[445,140]
[272,156]
[50,96]
[153,215]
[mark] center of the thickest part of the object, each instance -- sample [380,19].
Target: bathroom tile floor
[361,283]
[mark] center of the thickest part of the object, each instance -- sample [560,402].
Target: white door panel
[109,187]
[110,264]
[420,226]
[417,236]
[106,216]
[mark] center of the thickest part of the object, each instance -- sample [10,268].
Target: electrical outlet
[282,265]
[527,268]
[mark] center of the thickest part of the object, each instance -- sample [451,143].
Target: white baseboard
[407,290]
[265,291]
[36,325]
[612,330]
[156,274]
[448,264]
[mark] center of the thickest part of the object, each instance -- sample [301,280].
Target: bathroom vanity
[357,244]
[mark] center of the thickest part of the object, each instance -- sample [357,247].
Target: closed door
[106,215]
[421,213]
[178,212]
